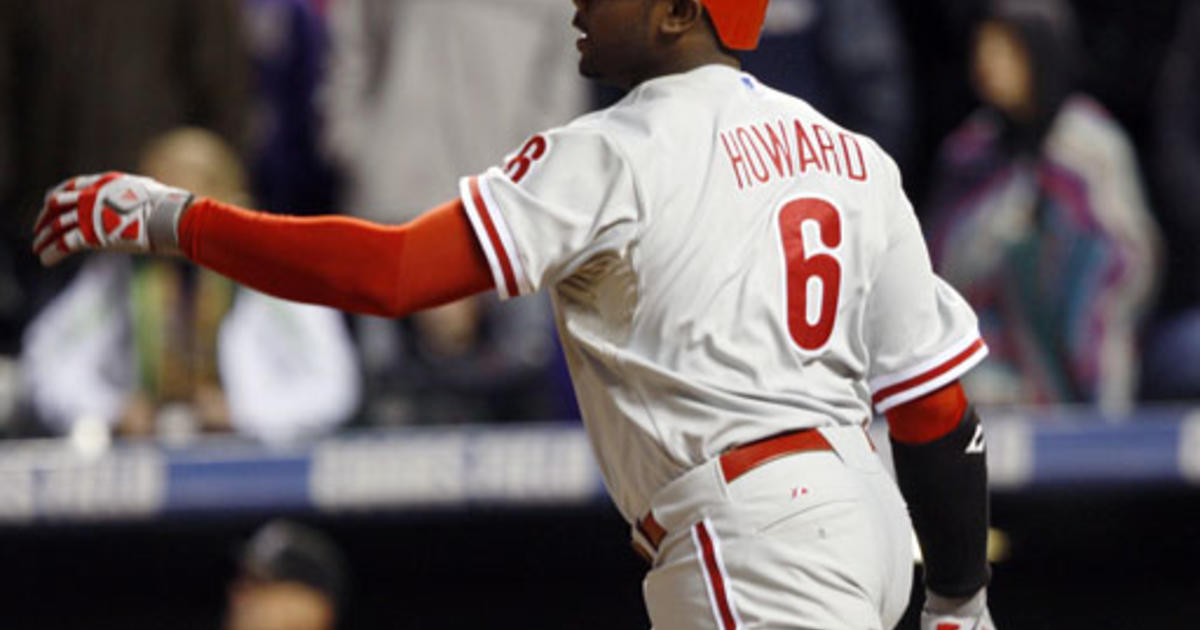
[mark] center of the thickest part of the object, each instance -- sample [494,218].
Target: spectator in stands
[1038,217]
[157,348]
[144,67]
[290,577]
[846,57]
[420,91]
[1172,370]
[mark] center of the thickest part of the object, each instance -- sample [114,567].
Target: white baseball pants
[818,540]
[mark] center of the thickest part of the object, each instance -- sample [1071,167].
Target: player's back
[756,318]
[726,264]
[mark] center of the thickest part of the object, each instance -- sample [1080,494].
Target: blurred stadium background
[443,456]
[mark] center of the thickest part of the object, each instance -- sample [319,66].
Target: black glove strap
[945,484]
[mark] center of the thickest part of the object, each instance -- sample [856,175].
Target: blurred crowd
[1071,234]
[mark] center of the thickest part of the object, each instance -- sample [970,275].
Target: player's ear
[681,17]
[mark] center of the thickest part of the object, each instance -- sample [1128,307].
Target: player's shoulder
[645,122]
[594,137]
[645,112]
[790,105]
[674,103]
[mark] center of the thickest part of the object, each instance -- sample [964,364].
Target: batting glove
[112,211]
[946,613]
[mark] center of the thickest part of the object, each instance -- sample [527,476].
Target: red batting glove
[113,211]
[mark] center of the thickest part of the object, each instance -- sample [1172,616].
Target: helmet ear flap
[738,22]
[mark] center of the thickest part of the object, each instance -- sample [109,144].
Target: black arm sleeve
[945,484]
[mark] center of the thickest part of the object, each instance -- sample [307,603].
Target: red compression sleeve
[341,262]
[929,417]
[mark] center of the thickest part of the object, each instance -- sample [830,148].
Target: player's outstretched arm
[938,449]
[338,261]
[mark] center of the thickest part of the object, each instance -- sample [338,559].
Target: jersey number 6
[813,280]
[518,166]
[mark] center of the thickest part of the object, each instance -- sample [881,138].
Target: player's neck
[679,64]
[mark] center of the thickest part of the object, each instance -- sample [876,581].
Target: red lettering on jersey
[757,153]
[779,150]
[518,167]
[736,160]
[854,160]
[808,155]
[825,141]
[805,266]
[760,170]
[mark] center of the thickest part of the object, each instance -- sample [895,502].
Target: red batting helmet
[738,22]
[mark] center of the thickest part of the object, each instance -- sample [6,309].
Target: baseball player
[739,283]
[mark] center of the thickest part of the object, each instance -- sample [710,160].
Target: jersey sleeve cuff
[927,376]
[494,237]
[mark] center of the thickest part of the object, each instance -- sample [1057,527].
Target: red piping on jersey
[929,417]
[716,579]
[485,215]
[925,377]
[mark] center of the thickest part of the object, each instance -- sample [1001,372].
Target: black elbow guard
[945,484]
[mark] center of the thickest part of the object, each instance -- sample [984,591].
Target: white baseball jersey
[726,264]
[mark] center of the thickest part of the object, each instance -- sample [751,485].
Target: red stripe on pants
[715,577]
